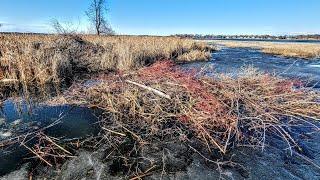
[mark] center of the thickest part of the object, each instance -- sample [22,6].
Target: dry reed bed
[298,50]
[38,60]
[161,102]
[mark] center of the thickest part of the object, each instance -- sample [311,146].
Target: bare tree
[56,25]
[64,28]
[97,13]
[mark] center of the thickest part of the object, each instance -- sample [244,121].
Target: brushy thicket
[218,112]
[42,60]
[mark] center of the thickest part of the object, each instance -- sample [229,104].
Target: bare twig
[157,92]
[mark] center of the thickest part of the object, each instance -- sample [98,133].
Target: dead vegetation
[297,50]
[162,103]
[41,60]
[47,149]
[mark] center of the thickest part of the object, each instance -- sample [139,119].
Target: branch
[157,92]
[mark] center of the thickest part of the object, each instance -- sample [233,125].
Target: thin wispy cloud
[39,28]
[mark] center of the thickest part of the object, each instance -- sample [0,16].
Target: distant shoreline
[269,40]
[282,38]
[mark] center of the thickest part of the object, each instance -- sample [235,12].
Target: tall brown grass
[299,50]
[39,60]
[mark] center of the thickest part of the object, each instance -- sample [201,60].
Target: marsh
[105,89]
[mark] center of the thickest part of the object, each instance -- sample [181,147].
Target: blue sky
[165,17]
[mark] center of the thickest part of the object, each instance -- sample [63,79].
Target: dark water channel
[18,118]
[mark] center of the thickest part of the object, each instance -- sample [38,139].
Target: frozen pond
[231,60]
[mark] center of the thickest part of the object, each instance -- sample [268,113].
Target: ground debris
[217,114]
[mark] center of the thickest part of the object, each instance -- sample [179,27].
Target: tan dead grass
[38,60]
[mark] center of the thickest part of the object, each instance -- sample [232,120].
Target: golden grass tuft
[297,50]
[194,55]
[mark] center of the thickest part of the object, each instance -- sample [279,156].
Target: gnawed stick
[114,132]
[157,92]
[57,145]
[9,80]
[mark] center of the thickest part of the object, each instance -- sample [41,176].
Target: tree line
[271,37]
